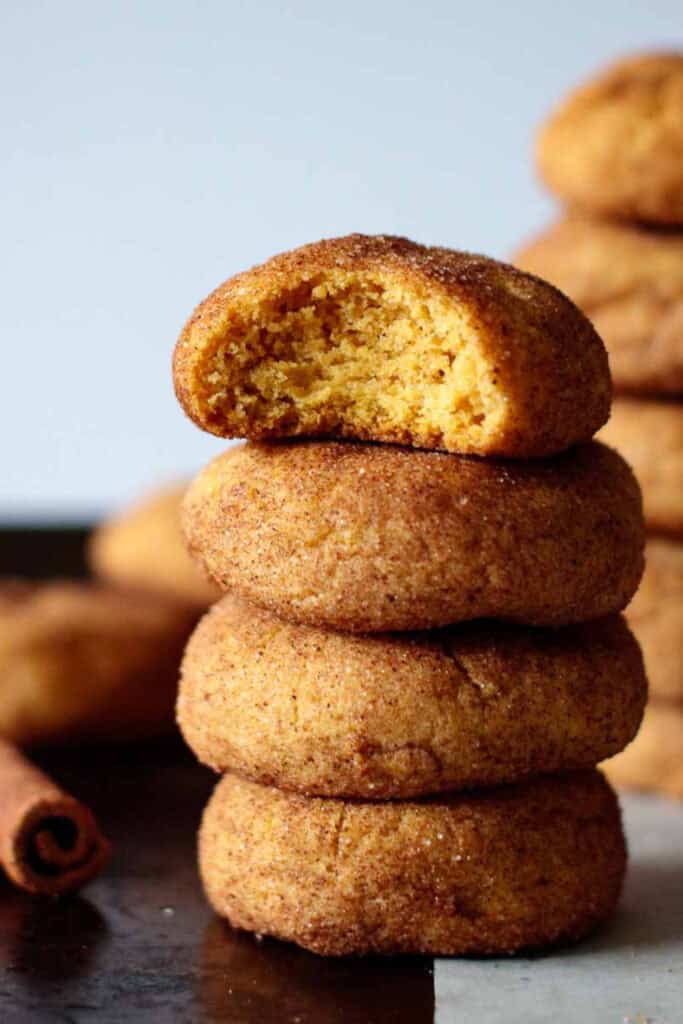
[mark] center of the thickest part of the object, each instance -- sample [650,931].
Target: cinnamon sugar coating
[373,538]
[629,280]
[393,716]
[489,871]
[378,338]
[615,146]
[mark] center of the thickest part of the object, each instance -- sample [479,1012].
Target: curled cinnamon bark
[49,842]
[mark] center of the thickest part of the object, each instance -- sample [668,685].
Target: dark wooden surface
[140,943]
[43,552]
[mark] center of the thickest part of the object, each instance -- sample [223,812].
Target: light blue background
[152,149]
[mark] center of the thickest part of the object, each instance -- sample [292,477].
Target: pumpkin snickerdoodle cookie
[378,338]
[87,662]
[615,146]
[372,538]
[488,871]
[629,281]
[143,547]
[649,435]
[391,716]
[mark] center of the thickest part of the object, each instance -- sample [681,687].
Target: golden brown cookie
[650,437]
[654,761]
[402,715]
[629,281]
[615,146]
[371,538]
[143,547]
[656,617]
[87,662]
[381,339]
[489,871]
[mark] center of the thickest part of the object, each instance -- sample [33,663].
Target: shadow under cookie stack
[419,659]
[613,152]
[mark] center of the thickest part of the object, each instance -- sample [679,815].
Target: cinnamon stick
[49,842]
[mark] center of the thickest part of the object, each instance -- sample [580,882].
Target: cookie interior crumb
[357,350]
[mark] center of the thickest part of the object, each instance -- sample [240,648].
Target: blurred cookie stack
[418,662]
[613,152]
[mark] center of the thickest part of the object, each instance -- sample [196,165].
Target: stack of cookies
[613,152]
[419,659]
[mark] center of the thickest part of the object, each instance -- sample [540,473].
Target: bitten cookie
[490,871]
[654,761]
[649,435]
[395,716]
[656,617]
[381,339]
[372,538]
[615,146]
[143,547]
[86,662]
[629,281]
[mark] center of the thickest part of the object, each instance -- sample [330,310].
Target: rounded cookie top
[615,146]
[369,538]
[393,716]
[489,871]
[143,547]
[378,338]
[656,616]
[649,435]
[83,661]
[629,281]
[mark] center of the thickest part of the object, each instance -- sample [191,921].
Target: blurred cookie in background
[649,435]
[142,546]
[613,153]
[614,147]
[656,616]
[629,280]
[88,662]
[653,762]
